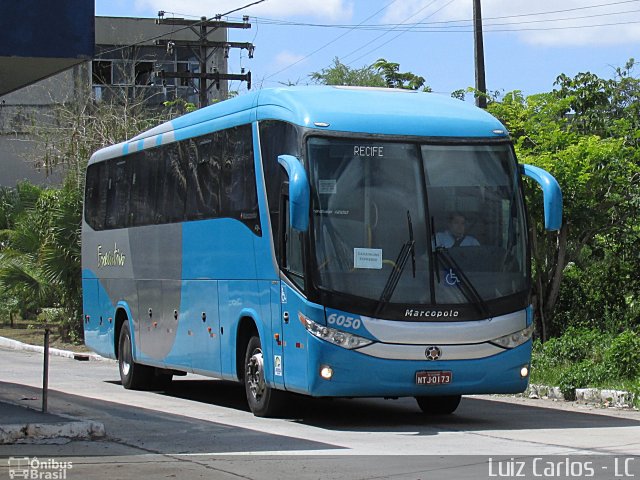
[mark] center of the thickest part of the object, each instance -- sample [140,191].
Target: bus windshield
[411,223]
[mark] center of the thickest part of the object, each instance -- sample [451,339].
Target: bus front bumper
[355,374]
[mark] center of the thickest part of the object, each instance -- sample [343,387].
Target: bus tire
[443,405]
[132,375]
[263,400]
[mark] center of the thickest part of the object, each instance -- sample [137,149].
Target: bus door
[277,336]
[92,312]
[294,339]
[294,334]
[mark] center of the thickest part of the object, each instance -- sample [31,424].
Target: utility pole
[203,49]
[478,50]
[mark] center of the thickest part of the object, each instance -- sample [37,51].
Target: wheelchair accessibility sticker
[451,278]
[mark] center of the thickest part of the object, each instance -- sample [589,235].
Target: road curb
[20,423]
[614,398]
[608,398]
[16,345]
[34,432]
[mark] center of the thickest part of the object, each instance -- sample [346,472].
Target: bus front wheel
[443,405]
[263,400]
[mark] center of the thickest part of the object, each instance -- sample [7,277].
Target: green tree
[40,264]
[586,134]
[341,74]
[20,279]
[393,78]
[381,74]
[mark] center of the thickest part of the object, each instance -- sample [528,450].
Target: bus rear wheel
[132,375]
[263,400]
[443,405]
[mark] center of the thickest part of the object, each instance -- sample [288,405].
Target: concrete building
[130,53]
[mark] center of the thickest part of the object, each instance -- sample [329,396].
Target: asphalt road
[201,428]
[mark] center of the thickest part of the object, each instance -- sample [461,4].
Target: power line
[548,20]
[568,27]
[557,11]
[196,24]
[539,29]
[435,26]
[242,8]
[432,27]
[380,36]
[384,26]
[401,33]
[328,43]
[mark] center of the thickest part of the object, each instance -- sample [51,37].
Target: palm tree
[40,253]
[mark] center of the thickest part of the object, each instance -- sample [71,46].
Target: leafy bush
[587,373]
[623,356]
[584,357]
[579,343]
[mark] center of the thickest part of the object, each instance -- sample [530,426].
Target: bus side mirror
[552,195]
[298,192]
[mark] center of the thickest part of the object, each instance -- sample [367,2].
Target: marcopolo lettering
[431,313]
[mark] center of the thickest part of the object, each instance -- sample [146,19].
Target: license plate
[433,378]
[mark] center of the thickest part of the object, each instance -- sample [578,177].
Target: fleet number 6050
[344,321]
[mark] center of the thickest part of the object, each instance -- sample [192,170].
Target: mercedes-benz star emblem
[433,353]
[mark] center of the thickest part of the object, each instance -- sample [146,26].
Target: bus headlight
[514,340]
[331,335]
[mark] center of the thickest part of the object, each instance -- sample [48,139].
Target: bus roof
[327,108]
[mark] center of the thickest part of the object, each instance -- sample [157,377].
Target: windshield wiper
[464,284]
[413,244]
[394,277]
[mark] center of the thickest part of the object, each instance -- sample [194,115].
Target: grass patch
[32,332]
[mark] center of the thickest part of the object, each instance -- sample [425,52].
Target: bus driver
[454,235]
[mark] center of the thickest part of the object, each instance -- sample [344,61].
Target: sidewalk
[16,345]
[21,424]
[24,424]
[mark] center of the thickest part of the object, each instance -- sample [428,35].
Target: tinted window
[118,189]
[206,177]
[276,138]
[203,199]
[95,198]
[173,185]
[239,198]
[148,170]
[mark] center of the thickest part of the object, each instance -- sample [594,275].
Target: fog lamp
[524,371]
[326,372]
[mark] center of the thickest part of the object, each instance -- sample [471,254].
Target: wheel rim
[255,375]
[125,357]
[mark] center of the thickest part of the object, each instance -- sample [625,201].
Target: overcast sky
[527,44]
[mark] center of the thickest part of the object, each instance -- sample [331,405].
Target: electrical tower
[203,49]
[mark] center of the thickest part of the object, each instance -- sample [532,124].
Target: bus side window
[147,166]
[292,259]
[276,138]
[202,184]
[95,195]
[118,190]
[239,198]
[173,186]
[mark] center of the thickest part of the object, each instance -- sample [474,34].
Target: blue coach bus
[327,241]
